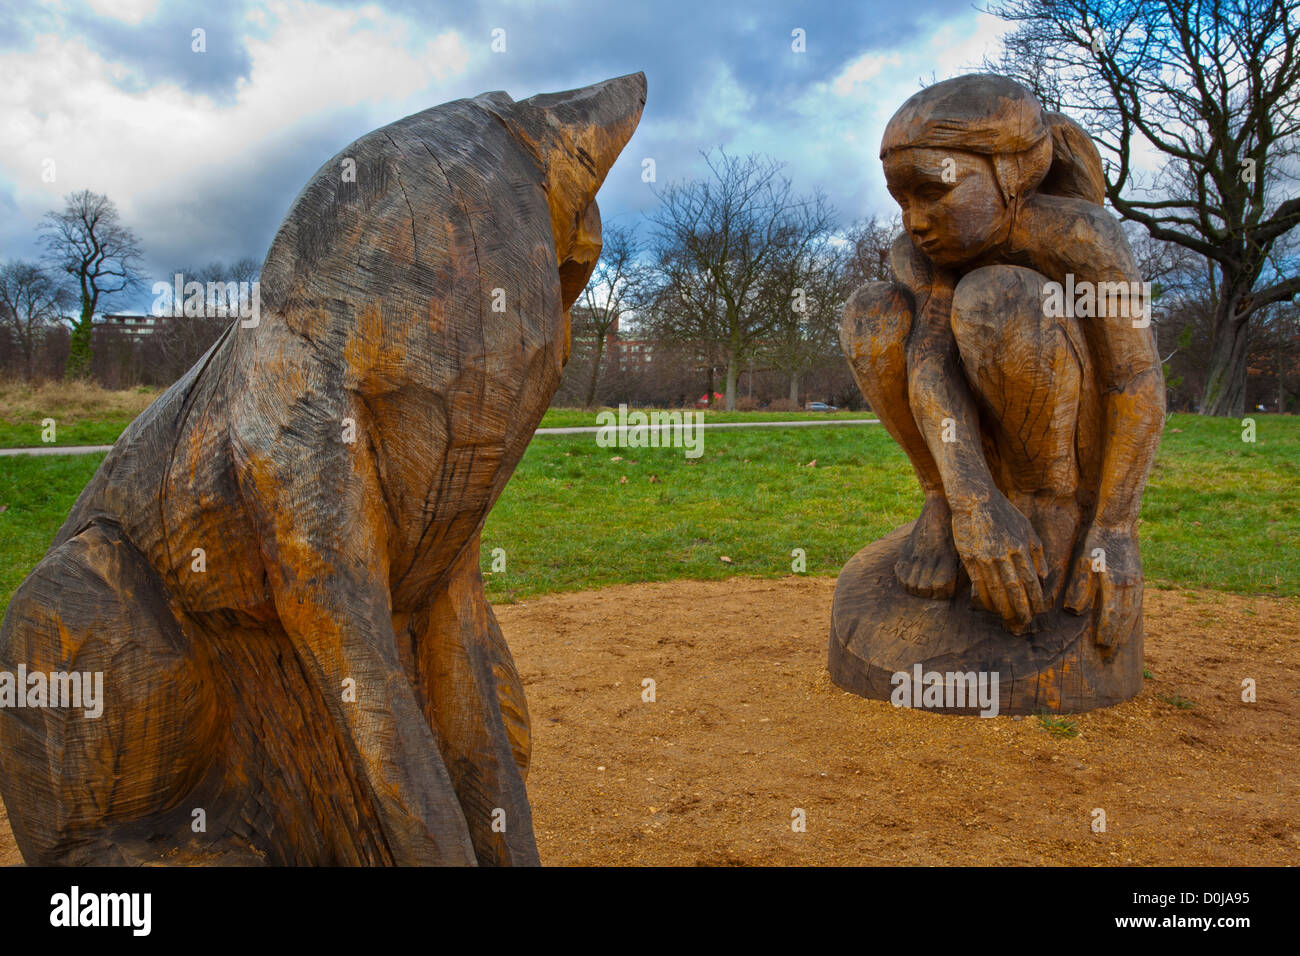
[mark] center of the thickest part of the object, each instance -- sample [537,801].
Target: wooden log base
[878,629]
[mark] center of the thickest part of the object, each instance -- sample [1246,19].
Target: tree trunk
[1225,388]
[1281,374]
[78,365]
[794,388]
[708,395]
[595,372]
[733,370]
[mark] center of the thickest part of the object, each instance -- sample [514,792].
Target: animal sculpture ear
[576,136]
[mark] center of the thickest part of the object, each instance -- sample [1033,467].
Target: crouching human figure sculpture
[276,568]
[1013,360]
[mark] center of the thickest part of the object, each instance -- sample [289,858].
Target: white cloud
[960,48]
[850,111]
[675,143]
[149,147]
[320,58]
[881,81]
[128,11]
[864,68]
[846,116]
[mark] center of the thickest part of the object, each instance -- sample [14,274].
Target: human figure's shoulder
[1063,235]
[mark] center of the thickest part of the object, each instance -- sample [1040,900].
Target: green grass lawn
[1218,513]
[27,432]
[36,493]
[99,431]
[82,413]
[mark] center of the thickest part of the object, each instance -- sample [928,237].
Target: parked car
[820,407]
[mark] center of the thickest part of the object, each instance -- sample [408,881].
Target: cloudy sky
[204,152]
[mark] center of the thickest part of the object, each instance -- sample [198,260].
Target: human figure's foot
[928,565]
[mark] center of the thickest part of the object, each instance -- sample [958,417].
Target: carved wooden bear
[276,568]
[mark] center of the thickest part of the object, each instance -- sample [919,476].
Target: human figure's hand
[1004,558]
[1107,577]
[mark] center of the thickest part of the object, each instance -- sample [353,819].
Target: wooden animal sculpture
[1013,360]
[276,568]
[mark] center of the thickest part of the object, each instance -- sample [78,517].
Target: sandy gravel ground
[746,729]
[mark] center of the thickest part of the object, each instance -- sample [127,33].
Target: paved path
[582,430]
[56,450]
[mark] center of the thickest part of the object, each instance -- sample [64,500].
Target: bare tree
[89,242]
[1281,344]
[182,340]
[869,242]
[680,308]
[31,300]
[1212,85]
[606,296]
[804,290]
[717,237]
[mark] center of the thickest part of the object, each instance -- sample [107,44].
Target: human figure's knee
[1020,362]
[996,310]
[877,320]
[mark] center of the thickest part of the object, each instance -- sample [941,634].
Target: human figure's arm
[998,547]
[1131,383]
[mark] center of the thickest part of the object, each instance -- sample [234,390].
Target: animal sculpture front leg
[472,696]
[327,569]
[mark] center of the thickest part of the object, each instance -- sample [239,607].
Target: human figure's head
[960,157]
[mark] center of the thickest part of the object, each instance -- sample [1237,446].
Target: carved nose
[924,236]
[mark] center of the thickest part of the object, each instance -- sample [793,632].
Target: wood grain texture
[1031,425]
[878,630]
[330,685]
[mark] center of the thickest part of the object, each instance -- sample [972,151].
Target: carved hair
[997,117]
[1076,165]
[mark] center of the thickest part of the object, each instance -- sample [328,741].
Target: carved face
[952,206]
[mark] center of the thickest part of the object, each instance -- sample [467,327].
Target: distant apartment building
[136,326]
[622,353]
[634,354]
